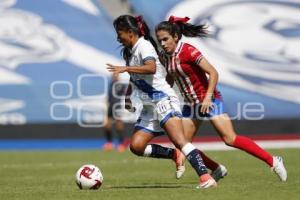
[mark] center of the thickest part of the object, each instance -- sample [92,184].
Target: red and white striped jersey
[189,77]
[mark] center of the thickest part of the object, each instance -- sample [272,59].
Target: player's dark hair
[138,26]
[180,27]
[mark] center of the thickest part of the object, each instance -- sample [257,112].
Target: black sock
[161,152]
[108,135]
[197,163]
[120,137]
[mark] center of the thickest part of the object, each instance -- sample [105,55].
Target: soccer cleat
[121,148]
[219,173]
[180,171]
[179,159]
[206,181]
[108,146]
[278,168]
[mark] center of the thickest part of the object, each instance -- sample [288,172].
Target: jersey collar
[136,44]
[178,47]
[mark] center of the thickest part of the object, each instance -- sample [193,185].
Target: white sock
[187,148]
[148,150]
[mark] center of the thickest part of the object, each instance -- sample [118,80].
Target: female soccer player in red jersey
[189,69]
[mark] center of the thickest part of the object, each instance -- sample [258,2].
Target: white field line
[58,165]
[266,144]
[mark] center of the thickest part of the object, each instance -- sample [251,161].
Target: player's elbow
[152,69]
[217,76]
[214,74]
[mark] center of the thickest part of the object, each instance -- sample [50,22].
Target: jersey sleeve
[148,52]
[194,56]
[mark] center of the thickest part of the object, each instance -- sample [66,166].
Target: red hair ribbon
[174,19]
[139,20]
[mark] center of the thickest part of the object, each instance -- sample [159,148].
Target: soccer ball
[89,177]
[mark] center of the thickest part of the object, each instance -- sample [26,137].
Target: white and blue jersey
[159,100]
[151,87]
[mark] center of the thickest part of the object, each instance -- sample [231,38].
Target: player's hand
[116,69]
[206,105]
[128,105]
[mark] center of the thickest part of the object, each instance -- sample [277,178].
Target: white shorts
[154,116]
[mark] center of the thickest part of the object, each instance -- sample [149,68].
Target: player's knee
[137,149]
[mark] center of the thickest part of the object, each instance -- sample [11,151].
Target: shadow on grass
[160,186]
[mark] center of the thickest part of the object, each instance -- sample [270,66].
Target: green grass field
[51,175]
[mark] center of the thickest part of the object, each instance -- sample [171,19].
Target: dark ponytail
[179,26]
[191,30]
[138,26]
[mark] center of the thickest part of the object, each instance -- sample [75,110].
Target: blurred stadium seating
[53,56]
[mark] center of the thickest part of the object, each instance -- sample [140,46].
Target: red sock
[252,148]
[210,164]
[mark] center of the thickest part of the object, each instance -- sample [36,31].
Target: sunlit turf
[43,175]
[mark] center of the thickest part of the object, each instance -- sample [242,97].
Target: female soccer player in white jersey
[189,69]
[161,109]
